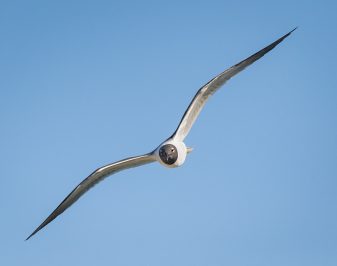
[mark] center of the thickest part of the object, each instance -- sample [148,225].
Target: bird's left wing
[212,86]
[97,176]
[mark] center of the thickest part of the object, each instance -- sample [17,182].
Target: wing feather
[212,86]
[97,176]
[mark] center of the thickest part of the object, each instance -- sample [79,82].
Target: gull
[173,151]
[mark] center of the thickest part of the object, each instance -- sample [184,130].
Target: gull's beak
[189,149]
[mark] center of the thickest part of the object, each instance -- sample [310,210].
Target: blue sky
[86,83]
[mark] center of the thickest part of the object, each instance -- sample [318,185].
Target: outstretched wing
[92,180]
[212,86]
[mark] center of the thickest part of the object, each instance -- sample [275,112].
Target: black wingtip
[286,35]
[47,221]
[293,30]
[32,234]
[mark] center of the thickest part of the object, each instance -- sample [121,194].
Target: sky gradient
[86,83]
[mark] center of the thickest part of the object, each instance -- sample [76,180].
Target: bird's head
[172,153]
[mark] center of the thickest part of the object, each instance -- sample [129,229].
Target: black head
[168,154]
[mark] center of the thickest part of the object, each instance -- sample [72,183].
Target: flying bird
[173,151]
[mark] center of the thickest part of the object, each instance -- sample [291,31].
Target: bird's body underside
[172,152]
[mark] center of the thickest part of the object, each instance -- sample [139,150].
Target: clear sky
[86,83]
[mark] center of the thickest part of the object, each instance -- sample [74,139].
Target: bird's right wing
[212,86]
[92,180]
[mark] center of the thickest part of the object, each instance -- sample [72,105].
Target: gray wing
[92,180]
[212,86]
